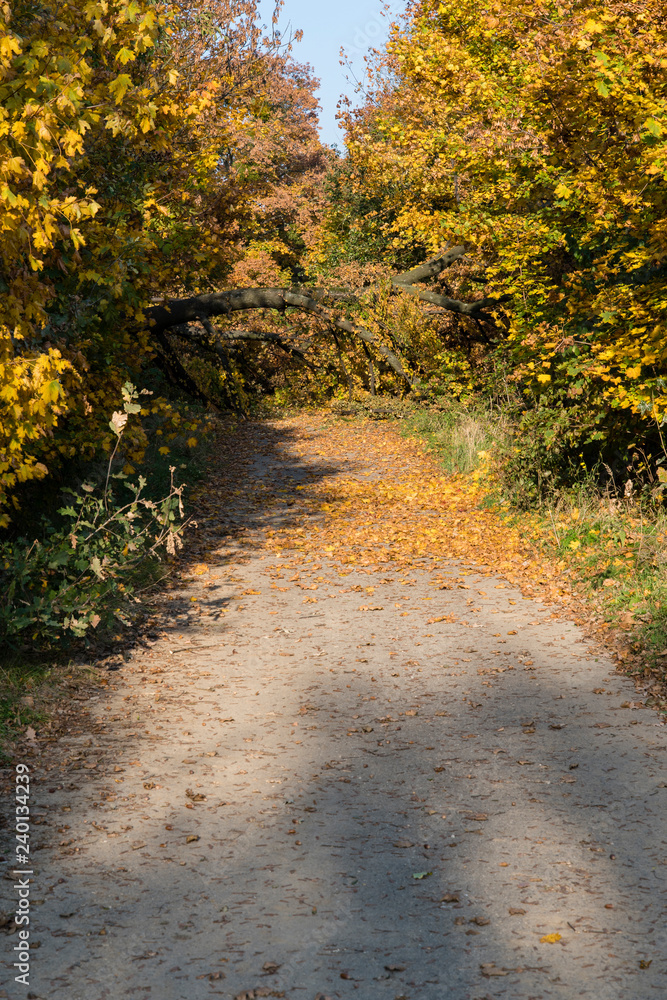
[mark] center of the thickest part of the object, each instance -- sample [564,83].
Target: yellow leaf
[119,86]
[550,939]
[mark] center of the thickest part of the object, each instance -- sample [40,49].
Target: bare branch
[452,305]
[178,312]
[430,268]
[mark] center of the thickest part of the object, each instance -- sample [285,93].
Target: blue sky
[355,24]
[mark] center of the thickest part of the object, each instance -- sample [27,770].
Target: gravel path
[287,794]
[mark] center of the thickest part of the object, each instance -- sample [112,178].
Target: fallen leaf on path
[421,875]
[489,969]
[550,938]
[192,838]
[270,968]
[403,843]
[395,968]
[195,796]
[516,911]
[450,897]
[7,923]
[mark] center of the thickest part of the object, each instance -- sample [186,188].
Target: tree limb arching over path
[325,774]
[176,314]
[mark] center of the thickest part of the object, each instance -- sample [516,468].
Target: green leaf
[654,127]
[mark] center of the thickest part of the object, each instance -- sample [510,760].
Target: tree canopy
[167,206]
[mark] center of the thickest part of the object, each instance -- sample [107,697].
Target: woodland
[177,246]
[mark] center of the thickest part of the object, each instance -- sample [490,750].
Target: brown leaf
[450,897]
[516,911]
[395,968]
[7,923]
[192,838]
[270,968]
[489,969]
[403,843]
[195,796]
[480,921]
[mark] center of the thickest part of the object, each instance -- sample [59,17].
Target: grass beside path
[604,556]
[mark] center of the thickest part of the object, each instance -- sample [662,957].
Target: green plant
[457,434]
[84,571]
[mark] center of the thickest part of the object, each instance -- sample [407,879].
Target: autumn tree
[535,136]
[145,150]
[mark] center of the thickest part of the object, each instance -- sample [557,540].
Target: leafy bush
[83,571]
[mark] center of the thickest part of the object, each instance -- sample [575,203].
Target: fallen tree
[190,318]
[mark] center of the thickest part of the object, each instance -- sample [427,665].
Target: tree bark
[178,312]
[170,313]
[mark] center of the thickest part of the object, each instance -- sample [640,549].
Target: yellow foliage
[536,136]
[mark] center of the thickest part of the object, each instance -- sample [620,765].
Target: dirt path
[351,767]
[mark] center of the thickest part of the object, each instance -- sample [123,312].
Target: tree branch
[452,305]
[430,268]
[179,312]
